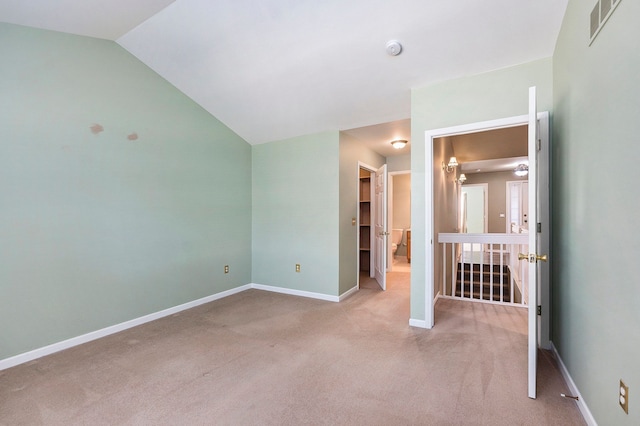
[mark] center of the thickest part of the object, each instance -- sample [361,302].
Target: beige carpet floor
[263,358]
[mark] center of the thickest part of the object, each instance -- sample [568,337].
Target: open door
[538,213]
[534,256]
[381,233]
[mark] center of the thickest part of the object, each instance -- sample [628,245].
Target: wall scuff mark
[96,129]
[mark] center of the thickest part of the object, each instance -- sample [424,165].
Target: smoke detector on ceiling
[394,47]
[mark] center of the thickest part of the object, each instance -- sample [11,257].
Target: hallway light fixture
[453,163]
[522,170]
[462,178]
[399,143]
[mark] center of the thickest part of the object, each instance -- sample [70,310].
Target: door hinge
[539,145]
[539,309]
[539,228]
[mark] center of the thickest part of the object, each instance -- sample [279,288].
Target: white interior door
[517,206]
[475,212]
[476,207]
[532,257]
[380,222]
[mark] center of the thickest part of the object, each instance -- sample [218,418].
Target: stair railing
[483,267]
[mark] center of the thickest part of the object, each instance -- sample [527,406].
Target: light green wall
[498,94]
[295,213]
[351,152]
[596,243]
[98,229]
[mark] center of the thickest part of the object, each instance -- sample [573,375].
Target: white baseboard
[75,341]
[348,293]
[292,292]
[85,338]
[417,323]
[582,405]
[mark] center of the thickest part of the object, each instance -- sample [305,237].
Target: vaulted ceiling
[275,69]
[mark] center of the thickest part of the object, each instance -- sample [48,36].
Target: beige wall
[402,206]
[445,201]
[399,163]
[497,196]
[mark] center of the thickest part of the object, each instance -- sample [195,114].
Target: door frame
[544,216]
[485,203]
[485,211]
[372,170]
[381,230]
[390,177]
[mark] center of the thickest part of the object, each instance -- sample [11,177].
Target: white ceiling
[275,69]
[93,18]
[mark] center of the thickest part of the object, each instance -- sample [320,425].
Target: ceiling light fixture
[453,163]
[521,170]
[399,143]
[394,47]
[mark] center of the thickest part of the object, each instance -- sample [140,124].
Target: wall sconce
[462,179]
[399,144]
[453,163]
[521,170]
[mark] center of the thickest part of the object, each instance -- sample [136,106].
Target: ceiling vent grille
[599,16]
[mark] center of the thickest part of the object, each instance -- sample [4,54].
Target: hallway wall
[402,208]
[497,94]
[497,197]
[296,213]
[596,243]
[352,151]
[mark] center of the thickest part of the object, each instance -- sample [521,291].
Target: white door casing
[541,245]
[380,222]
[534,247]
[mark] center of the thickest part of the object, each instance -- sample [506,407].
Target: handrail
[474,267]
[483,238]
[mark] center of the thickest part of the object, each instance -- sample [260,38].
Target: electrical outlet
[623,396]
[297,267]
[226,269]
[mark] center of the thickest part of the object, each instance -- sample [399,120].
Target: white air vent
[599,15]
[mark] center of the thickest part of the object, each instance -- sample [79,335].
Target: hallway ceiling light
[453,163]
[399,143]
[521,170]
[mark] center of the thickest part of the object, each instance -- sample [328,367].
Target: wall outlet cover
[623,396]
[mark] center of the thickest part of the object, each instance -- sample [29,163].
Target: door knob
[532,258]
